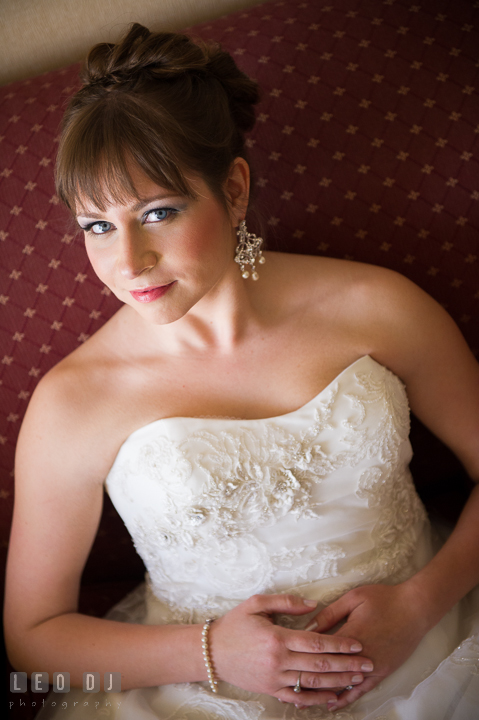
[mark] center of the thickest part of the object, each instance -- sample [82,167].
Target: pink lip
[150,294]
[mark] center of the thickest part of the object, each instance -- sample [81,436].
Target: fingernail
[310,603]
[357,678]
[367,667]
[356,647]
[312,625]
[332,706]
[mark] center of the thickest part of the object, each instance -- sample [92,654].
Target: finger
[306,697]
[349,696]
[308,642]
[327,663]
[332,614]
[285,604]
[322,681]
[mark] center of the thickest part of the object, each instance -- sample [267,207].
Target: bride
[248,414]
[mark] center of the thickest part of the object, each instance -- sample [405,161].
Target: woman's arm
[425,348]
[414,337]
[63,456]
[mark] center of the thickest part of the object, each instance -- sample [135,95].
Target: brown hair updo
[161,101]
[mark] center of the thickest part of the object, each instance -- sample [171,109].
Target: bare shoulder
[354,288]
[64,420]
[388,315]
[315,268]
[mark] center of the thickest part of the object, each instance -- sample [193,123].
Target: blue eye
[158,214]
[98,228]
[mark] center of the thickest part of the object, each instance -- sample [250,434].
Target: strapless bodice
[314,501]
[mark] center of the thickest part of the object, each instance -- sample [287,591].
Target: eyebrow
[137,206]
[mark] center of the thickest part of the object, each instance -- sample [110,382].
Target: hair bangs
[98,150]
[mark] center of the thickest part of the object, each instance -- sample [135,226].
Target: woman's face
[163,253]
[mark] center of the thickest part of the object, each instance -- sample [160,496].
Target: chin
[152,314]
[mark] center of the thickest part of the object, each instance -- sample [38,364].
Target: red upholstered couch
[366,147]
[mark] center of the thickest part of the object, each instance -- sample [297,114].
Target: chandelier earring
[248,251]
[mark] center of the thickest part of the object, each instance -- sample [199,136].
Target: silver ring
[297,687]
[349,687]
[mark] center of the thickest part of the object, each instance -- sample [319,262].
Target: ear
[236,190]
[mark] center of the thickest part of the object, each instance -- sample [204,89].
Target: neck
[219,323]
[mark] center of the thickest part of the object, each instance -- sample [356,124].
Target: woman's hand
[387,622]
[249,651]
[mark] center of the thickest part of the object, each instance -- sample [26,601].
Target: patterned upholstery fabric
[366,147]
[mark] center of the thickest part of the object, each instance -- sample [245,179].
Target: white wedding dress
[314,502]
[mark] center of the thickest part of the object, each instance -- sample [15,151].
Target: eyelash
[168,210]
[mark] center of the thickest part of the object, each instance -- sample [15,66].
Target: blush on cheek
[103,267]
[99,268]
[211,234]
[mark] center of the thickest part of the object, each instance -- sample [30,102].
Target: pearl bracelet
[206,654]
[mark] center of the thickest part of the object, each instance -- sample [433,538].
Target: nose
[136,254]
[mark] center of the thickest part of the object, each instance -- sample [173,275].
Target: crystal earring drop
[248,251]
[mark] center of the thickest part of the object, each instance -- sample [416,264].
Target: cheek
[211,237]
[100,263]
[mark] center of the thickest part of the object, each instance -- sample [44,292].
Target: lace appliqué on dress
[388,486]
[216,491]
